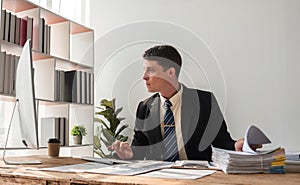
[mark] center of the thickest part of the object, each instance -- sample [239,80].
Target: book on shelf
[61,85]
[250,161]
[48,39]
[12,28]
[23,30]
[76,85]
[77,88]
[83,87]
[2,70]
[88,88]
[3,18]
[71,86]
[18,30]
[16,61]
[7,79]
[7,26]
[26,29]
[53,127]
[41,35]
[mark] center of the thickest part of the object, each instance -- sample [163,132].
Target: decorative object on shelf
[109,132]
[53,147]
[77,132]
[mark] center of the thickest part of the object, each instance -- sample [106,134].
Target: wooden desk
[27,175]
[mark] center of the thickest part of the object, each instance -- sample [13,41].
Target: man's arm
[135,151]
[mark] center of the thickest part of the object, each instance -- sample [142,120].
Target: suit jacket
[202,124]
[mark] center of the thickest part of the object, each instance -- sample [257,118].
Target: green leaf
[106,103]
[111,127]
[118,111]
[122,138]
[120,130]
[121,119]
[108,135]
[102,122]
[97,144]
[100,153]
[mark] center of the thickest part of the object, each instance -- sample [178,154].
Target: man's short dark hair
[165,55]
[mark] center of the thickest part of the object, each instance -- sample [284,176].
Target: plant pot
[77,140]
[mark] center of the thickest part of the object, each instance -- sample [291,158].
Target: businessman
[176,122]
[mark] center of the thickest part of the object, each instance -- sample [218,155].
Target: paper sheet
[135,168]
[75,167]
[254,136]
[178,173]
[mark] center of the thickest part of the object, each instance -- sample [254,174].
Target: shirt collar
[174,99]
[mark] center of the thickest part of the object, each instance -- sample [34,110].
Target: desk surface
[10,174]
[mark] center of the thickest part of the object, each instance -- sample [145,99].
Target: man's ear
[172,71]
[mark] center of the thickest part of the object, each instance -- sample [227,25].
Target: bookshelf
[63,56]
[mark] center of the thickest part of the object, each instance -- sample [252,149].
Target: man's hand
[123,149]
[239,145]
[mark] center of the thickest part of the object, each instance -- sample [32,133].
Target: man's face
[155,77]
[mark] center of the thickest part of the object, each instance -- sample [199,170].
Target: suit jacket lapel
[155,120]
[190,110]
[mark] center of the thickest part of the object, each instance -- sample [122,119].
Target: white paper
[106,160]
[178,173]
[75,167]
[191,163]
[135,168]
[293,156]
[254,136]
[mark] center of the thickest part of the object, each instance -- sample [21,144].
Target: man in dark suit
[196,119]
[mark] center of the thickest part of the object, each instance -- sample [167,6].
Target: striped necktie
[170,142]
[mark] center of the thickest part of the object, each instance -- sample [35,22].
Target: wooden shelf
[53,103]
[77,28]
[7,97]
[51,18]
[71,48]
[17,5]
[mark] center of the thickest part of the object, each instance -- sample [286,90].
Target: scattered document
[178,173]
[135,168]
[292,165]
[293,156]
[105,160]
[75,167]
[192,163]
[254,136]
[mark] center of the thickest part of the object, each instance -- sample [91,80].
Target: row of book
[228,161]
[74,86]
[8,66]
[54,127]
[18,30]
[14,29]
[44,37]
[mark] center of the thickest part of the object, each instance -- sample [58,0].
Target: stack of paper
[292,163]
[243,162]
[292,166]
[250,161]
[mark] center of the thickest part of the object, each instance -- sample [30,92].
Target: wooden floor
[29,174]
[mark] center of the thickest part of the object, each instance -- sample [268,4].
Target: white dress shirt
[176,101]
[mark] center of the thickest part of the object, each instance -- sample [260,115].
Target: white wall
[248,56]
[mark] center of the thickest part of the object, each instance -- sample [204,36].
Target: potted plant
[77,132]
[110,129]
